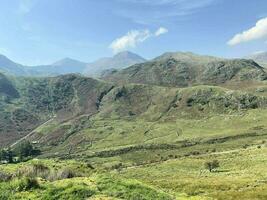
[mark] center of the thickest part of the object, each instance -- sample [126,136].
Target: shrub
[27,183]
[90,166]
[66,173]
[4,176]
[6,155]
[211,165]
[118,166]
[34,170]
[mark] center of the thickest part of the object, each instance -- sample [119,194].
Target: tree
[6,155]
[24,150]
[211,165]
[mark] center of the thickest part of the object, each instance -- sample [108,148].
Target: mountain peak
[67,61]
[127,54]
[119,61]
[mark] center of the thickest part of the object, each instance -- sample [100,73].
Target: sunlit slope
[187,69]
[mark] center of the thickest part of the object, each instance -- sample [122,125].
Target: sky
[34,32]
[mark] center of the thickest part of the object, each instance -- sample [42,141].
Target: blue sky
[42,31]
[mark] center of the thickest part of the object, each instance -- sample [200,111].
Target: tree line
[22,152]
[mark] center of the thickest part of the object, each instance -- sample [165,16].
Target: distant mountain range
[169,69]
[68,65]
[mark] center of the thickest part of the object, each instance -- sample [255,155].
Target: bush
[4,176]
[66,173]
[27,183]
[34,170]
[211,165]
[6,155]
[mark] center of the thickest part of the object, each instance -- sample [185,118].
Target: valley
[144,132]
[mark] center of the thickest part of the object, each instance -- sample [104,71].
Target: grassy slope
[171,132]
[242,175]
[143,115]
[40,99]
[90,185]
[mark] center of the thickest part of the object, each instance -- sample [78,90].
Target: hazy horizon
[42,32]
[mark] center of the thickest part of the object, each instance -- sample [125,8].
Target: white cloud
[133,38]
[259,31]
[161,31]
[130,40]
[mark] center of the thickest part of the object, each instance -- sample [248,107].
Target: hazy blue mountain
[10,67]
[64,66]
[119,61]
[69,65]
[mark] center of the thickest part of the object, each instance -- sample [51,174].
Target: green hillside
[126,140]
[183,70]
[33,101]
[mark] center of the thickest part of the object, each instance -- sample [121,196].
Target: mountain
[187,69]
[29,102]
[10,67]
[64,66]
[118,61]
[94,129]
[187,57]
[260,58]
[68,106]
[68,65]
[7,89]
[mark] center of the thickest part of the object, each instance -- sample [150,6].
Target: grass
[141,142]
[94,186]
[242,175]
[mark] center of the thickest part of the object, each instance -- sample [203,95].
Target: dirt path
[29,134]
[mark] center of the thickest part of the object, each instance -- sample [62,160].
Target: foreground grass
[242,175]
[97,185]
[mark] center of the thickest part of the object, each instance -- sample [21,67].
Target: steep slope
[232,70]
[7,89]
[181,70]
[136,115]
[10,67]
[37,100]
[118,61]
